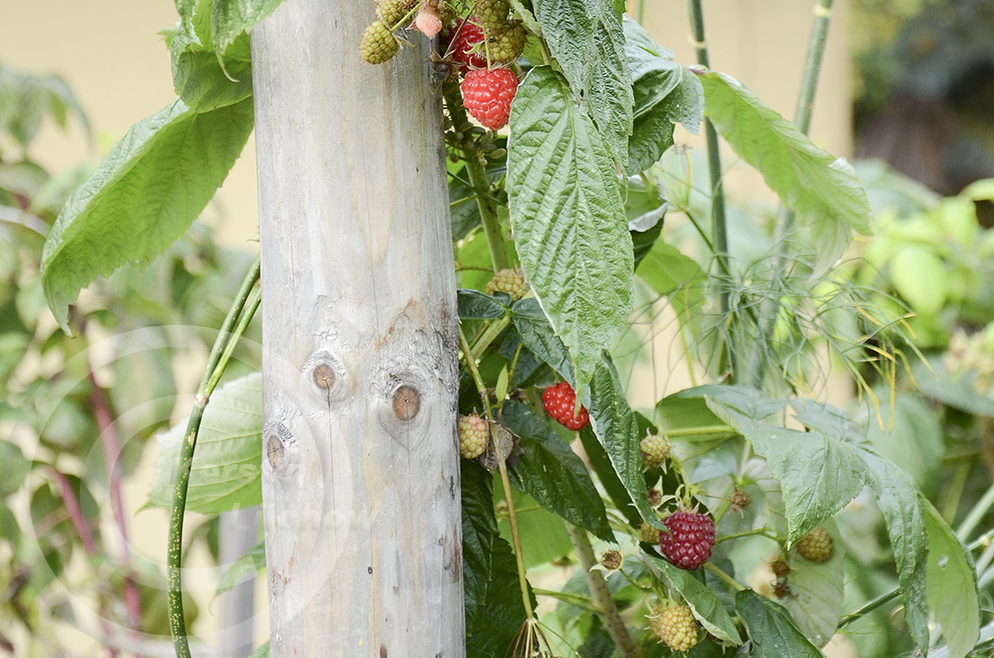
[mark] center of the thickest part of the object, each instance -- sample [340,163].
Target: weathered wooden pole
[360,457]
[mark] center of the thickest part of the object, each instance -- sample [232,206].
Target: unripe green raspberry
[655,450]
[378,44]
[816,546]
[675,626]
[649,534]
[492,14]
[509,281]
[473,436]
[391,11]
[507,44]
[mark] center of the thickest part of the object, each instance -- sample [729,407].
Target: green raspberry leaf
[479,529]
[249,563]
[771,628]
[551,473]
[665,93]
[900,503]
[568,219]
[586,38]
[227,465]
[816,590]
[819,471]
[143,196]
[704,603]
[824,191]
[231,18]
[951,585]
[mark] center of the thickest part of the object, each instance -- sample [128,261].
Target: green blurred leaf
[665,93]
[248,564]
[823,190]
[708,609]
[551,473]
[569,226]
[690,419]
[227,464]
[261,652]
[14,467]
[935,381]
[951,585]
[816,590]
[900,503]
[668,272]
[543,533]
[771,628]
[142,197]
[819,472]
[912,437]
[587,40]
[919,275]
[144,392]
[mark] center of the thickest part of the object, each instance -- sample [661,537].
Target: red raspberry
[470,38]
[560,402]
[690,541]
[487,95]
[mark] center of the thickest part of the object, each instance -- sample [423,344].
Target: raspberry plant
[579,93]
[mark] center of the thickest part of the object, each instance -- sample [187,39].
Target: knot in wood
[406,402]
[324,376]
[274,451]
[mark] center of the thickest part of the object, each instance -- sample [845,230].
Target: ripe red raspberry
[467,49]
[690,540]
[560,402]
[675,626]
[473,436]
[487,95]
[816,546]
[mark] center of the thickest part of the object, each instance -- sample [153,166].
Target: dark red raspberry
[690,541]
[560,402]
[487,95]
[470,37]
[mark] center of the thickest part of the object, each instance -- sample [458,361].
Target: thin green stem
[734,584]
[600,594]
[573,599]
[512,514]
[747,533]
[870,607]
[719,224]
[976,514]
[231,331]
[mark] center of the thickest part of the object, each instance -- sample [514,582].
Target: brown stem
[112,450]
[601,595]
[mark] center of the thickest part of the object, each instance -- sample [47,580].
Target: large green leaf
[227,464]
[708,609]
[231,18]
[568,218]
[771,628]
[538,335]
[816,590]
[492,633]
[143,196]
[479,528]
[818,472]
[668,272]
[900,503]
[824,191]
[551,473]
[952,585]
[14,468]
[665,93]
[586,38]
[617,428]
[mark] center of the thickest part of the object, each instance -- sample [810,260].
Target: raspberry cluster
[675,627]
[816,546]
[473,436]
[560,403]
[690,539]
[509,280]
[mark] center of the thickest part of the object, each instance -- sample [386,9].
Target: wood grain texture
[360,473]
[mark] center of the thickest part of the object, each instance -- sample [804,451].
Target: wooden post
[360,456]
